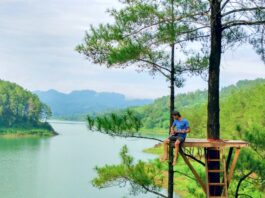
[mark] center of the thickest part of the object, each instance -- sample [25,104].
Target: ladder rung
[217,197]
[215,171]
[214,160]
[216,184]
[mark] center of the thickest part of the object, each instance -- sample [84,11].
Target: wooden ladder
[223,182]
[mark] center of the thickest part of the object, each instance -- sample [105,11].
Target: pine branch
[130,135]
[195,159]
[192,157]
[159,68]
[175,171]
[145,137]
[176,19]
[243,10]
[240,181]
[143,186]
[143,28]
[225,3]
[193,30]
[191,38]
[187,69]
[154,64]
[152,191]
[241,23]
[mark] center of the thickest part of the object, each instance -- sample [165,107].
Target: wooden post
[232,168]
[170,170]
[231,149]
[202,183]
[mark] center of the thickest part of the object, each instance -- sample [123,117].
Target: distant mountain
[77,104]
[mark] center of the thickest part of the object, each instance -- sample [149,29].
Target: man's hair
[176,113]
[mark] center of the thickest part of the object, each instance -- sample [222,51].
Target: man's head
[176,114]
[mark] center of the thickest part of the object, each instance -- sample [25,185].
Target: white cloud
[37,41]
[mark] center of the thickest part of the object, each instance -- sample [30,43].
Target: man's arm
[172,129]
[187,130]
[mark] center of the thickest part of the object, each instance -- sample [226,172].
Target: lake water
[63,166]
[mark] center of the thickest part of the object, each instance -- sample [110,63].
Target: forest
[242,116]
[241,107]
[21,112]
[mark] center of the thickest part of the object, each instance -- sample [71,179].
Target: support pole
[232,168]
[202,183]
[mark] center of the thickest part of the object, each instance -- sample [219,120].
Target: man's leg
[177,143]
[165,155]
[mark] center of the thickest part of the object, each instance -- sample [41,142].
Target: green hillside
[21,112]
[242,115]
[242,106]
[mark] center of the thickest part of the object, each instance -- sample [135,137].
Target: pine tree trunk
[172,106]
[213,124]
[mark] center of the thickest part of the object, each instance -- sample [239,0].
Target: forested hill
[21,111]
[242,106]
[77,104]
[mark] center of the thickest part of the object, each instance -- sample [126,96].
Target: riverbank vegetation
[242,106]
[242,117]
[22,113]
[151,176]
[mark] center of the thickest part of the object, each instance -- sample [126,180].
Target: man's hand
[172,131]
[183,131]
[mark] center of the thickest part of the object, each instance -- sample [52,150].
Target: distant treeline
[20,108]
[242,106]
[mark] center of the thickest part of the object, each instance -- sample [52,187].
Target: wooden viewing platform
[205,143]
[225,168]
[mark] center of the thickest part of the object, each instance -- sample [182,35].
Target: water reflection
[62,166]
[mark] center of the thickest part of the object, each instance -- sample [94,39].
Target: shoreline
[21,132]
[22,135]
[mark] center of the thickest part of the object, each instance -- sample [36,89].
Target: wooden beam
[231,149]
[194,142]
[202,183]
[206,172]
[232,168]
[227,164]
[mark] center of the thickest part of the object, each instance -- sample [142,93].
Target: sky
[37,51]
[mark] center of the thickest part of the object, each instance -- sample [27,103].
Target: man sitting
[179,130]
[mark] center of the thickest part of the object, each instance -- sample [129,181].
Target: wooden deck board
[194,142]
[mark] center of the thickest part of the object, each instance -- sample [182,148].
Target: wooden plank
[215,171]
[232,168]
[194,142]
[214,160]
[229,158]
[202,183]
[225,190]
[216,184]
[206,171]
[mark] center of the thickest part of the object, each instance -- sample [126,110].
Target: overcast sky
[37,41]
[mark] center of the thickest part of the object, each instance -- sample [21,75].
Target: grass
[15,133]
[41,130]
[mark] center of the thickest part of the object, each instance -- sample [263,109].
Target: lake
[63,166]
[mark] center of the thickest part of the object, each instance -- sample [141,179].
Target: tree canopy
[19,106]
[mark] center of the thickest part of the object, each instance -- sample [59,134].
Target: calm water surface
[63,166]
